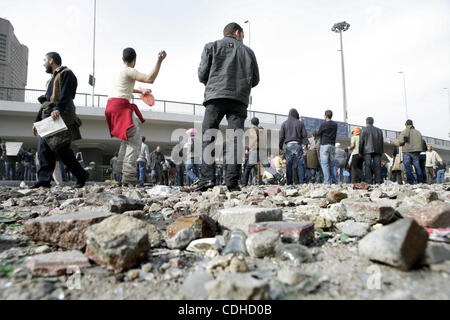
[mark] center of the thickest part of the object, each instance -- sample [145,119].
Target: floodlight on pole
[404,90]
[339,28]
[93,55]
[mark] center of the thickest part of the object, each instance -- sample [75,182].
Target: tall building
[13,63]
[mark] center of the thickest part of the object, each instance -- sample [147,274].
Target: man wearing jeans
[156,161]
[371,147]
[411,140]
[229,71]
[293,133]
[142,163]
[327,134]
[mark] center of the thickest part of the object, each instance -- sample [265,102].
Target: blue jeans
[368,157]
[413,157]
[192,171]
[10,169]
[27,171]
[180,174]
[156,174]
[116,177]
[327,153]
[440,176]
[141,170]
[294,149]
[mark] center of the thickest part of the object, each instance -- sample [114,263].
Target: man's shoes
[282,181]
[82,181]
[41,184]
[195,183]
[204,185]
[234,188]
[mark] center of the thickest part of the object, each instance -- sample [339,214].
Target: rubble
[264,242]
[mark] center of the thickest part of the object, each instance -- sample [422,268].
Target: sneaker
[195,183]
[282,181]
[204,186]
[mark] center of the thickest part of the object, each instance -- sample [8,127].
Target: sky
[297,53]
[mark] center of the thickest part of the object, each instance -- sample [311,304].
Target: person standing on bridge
[119,113]
[61,90]
[229,71]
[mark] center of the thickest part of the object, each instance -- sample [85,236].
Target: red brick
[202,225]
[436,214]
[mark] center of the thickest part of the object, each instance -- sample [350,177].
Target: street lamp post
[448,97]
[93,55]
[339,28]
[404,90]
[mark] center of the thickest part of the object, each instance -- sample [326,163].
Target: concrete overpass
[16,120]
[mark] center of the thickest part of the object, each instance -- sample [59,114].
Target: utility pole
[93,56]
[404,91]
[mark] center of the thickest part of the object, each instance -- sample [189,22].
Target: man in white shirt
[430,163]
[142,163]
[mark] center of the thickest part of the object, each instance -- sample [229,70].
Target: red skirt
[119,116]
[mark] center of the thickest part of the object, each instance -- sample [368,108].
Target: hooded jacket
[293,129]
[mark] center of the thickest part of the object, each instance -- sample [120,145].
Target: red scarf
[118,115]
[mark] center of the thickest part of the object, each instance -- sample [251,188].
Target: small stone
[319,193]
[133,274]
[58,263]
[273,191]
[294,252]
[400,244]
[291,192]
[71,202]
[193,286]
[336,196]
[148,267]
[262,244]
[291,276]
[181,240]
[138,214]
[116,203]
[238,265]
[42,249]
[237,286]
[202,245]
[353,229]
[436,253]
[120,241]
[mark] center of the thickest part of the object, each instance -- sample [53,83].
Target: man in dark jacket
[229,71]
[156,162]
[327,134]
[293,133]
[61,90]
[371,147]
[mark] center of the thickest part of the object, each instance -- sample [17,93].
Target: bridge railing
[99,101]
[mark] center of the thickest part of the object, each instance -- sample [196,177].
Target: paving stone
[436,214]
[65,230]
[202,226]
[370,212]
[58,263]
[116,203]
[400,244]
[336,196]
[239,218]
[290,231]
[353,229]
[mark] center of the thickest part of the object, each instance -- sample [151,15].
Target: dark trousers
[236,113]
[376,158]
[356,168]
[180,174]
[47,161]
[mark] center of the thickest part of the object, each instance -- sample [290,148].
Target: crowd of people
[229,71]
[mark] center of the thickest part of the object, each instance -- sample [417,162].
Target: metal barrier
[100,100]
